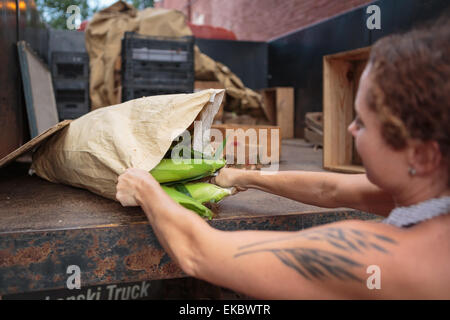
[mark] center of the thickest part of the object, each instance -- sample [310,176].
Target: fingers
[125,189]
[126,199]
[226,179]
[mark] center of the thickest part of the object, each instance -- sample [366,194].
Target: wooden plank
[351,55]
[346,168]
[285,112]
[13,123]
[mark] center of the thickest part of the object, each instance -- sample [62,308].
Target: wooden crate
[234,143]
[278,105]
[202,85]
[313,137]
[313,131]
[314,121]
[341,73]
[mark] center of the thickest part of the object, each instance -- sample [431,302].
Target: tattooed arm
[342,260]
[327,262]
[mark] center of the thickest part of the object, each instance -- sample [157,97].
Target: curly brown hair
[411,91]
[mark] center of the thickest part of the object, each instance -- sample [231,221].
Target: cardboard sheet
[33,143]
[38,89]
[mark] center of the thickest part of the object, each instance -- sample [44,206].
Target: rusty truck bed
[46,227]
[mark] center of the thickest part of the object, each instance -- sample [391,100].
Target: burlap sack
[205,67]
[103,43]
[104,34]
[95,149]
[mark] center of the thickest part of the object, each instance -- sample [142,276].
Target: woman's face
[380,160]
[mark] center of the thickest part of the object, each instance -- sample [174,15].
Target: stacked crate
[156,65]
[70,73]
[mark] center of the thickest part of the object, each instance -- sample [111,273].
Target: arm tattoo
[318,263]
[313,263]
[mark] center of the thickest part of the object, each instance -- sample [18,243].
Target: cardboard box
[250,139]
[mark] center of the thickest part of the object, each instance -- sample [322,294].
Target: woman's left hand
[130,184]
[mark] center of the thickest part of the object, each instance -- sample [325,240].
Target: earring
[411,171]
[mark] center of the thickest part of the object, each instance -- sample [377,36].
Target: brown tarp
[103,43]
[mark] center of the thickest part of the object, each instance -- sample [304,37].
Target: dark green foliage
[54,12]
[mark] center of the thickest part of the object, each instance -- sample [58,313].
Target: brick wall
[260,20]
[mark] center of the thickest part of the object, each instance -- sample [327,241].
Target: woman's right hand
[230,177]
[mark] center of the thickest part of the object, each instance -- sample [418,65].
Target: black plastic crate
[70,65]
[130,93]
[157,61]
[149,48]
[59,83]
[72,98]
[151,73]
[71,109]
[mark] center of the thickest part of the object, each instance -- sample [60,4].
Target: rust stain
[171,268]
[103,265]
[147,259]
[92,251]
[14,289]
[57,278]
[122,242]
[26,256]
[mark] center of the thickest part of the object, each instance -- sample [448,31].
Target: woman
[402,135]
